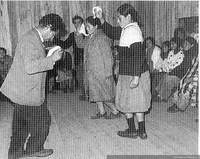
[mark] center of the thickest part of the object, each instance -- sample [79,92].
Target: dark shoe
[143,136]
[174,109]
[127,133]
[113,116]
[99,115]
[42,153]
[16,155]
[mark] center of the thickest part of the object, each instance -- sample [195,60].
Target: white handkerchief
[95,10]
[52,50]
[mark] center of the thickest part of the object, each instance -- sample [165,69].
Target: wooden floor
[73,135]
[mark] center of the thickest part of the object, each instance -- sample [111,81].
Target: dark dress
[78,73]
[132,62]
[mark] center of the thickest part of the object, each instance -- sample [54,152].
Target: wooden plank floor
[73,135]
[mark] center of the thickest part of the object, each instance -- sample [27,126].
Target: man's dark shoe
[99,115]
[143,135]
[113,116]
[16,155]
[127,133]
[41,153]
[174,109]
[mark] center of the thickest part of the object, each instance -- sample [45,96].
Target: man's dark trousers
[35,120]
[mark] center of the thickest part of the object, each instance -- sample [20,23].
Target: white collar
[130,24]
[40,35]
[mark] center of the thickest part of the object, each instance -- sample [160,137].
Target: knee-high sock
[131,124]
[141,126]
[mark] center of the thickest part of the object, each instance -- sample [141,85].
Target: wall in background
[159,18]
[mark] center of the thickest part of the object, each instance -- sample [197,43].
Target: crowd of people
[169,67]
[126,77]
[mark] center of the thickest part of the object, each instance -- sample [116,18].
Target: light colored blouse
[172,61]
[155,58]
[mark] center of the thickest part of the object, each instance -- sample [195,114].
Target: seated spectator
[5,62]
[170,66]
[179,33]
[154,60]
[153,54]
[187,93]
[165,49]
[175,56]
[5,65]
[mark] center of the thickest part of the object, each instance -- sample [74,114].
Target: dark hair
[94,21]
[54,20]
[177,30]
[77,17]
[178,41]
[151,39]
[191,40]
[166,43]
[3,49]
[126,9]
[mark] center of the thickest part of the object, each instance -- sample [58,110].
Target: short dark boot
[16,154]
[41,153]
[16,149]
[141,130]
[131,131]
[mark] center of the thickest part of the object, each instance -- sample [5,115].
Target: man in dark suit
[24,85]
[78,73]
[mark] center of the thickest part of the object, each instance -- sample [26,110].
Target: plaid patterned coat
[187,92]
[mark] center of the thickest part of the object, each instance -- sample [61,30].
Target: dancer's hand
[134,82]
[57,55]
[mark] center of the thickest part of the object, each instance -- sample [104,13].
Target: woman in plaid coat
[187,93]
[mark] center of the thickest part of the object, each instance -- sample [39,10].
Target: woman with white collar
[133,87]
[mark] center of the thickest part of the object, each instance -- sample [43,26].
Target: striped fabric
[188,89]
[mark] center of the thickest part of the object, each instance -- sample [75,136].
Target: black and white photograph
[99,79]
